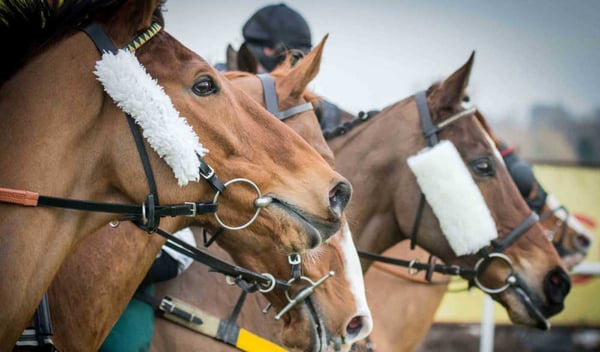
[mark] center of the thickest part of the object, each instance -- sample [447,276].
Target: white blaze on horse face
[454,197]
[126,81]
[495,150]
[354,275]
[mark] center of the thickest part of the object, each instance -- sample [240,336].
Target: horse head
[439,180]
[75,142]
[505,244]
[323,316]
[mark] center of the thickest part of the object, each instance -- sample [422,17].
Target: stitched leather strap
[429,129]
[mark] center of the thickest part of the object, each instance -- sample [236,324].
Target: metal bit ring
[510,279]
[259,203]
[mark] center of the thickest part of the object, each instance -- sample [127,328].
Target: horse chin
[524,308]
[293,338]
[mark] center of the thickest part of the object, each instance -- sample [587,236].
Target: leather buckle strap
[501,245]
[272,103]
[209,175]
[269,93]
[429,129]
[217,264]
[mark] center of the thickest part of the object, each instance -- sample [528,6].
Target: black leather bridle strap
[429,129]
[269,93]
[139,142]
[104,44]
[415,229]
[501,245]
[209,175]
[99,38]
[430,133]
[272,100]
[217,264]
[438,268]
[188,209]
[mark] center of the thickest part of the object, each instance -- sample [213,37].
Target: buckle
[210,174]
[193,208]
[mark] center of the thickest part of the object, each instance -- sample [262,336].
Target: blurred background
[536,78]
[537,64]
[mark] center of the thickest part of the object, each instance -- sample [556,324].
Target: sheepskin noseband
[126,81]
[454,198]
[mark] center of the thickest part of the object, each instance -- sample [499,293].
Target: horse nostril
[582,241]
[557,285]
[354,326]
[339,196]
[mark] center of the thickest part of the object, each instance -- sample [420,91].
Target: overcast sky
[379,51]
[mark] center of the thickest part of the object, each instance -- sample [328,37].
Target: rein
[430,133]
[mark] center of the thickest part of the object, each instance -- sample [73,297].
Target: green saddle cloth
[134,329]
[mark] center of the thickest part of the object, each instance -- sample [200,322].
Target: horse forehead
[182,61]
[250,85]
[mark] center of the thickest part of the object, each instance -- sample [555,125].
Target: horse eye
[205,86]
[483,166]
[466,99]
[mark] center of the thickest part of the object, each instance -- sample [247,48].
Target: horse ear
[304,71]
[246,61]
[231,56]
[452,90]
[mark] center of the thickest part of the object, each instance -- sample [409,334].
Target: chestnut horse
[341,301]
[70,139]
[523,271]
[395,333]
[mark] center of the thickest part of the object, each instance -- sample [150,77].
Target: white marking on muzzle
[454,197]
[356,282]
[126,81]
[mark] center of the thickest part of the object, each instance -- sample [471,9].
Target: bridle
[263,282]
[147,215]
[430,133]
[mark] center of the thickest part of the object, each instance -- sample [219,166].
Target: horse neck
[52,105]
[373,157]
[121,258]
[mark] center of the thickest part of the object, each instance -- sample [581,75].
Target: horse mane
[27,28]
[281,70]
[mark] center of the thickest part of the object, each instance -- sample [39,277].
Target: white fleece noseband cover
[454,198]
[126,81]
